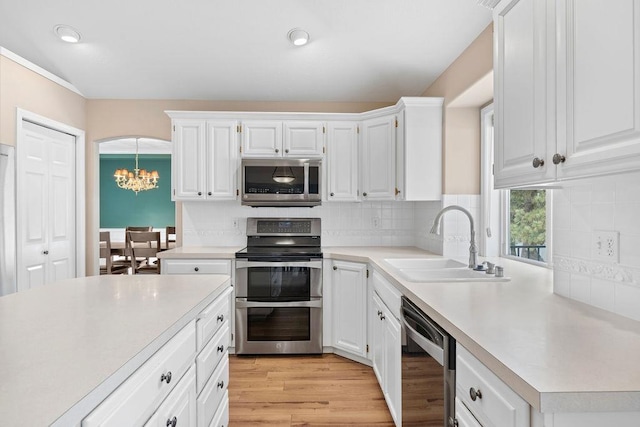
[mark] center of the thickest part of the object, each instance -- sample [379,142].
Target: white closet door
[46,206]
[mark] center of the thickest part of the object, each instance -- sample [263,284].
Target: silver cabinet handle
[220,318]
[277,151]
[220,349]
[364,194]
[45,252]
[331,194]
[196,269]
[475,394]
[335,268]
[209,193]
[172,422]
[166,377]
[558,158]
[537,162]
[199,193]
[286,150]
[221,384]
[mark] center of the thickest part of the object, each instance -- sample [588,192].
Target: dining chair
[110,266]
[144,246]
[126,238]
[170,231]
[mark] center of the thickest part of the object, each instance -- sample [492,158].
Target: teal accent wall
[121,208]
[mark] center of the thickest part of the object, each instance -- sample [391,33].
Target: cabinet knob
[166,377]
[199,193]
[558,158]
[364,194]
[45,252]
[196,269]
[537,162]
[335,268]
[172,422]
[277,151]
[220,318]
[221,384]
[286,150]
[209,193]
[379,313]
[220,349]
[331,194]
[475,394]
[382,317]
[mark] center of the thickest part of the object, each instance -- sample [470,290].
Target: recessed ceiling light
[298,37]
[67,33]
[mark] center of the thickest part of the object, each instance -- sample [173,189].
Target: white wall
[607,203]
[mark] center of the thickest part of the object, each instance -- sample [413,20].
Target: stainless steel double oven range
[279,287]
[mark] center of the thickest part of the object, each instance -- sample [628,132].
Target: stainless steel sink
[438,270]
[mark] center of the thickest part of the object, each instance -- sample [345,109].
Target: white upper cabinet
[523,93]
[262,138]
[342,161]
[276,138]
[205,160]
[419,149]
[303,138]
[378,158]
[598,86]
[567,89]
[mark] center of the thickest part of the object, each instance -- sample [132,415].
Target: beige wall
[461,132]
[23,88]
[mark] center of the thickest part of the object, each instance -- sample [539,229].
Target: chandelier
[138,180]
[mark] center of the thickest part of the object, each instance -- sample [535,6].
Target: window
[514,223]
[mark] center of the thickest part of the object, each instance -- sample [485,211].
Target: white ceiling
[359,50]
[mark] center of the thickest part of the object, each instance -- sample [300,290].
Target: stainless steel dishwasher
[428,371]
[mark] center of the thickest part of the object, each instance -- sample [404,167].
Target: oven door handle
[434,351]
[243,303]
[307,264]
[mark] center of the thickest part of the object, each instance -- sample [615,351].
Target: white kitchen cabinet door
[261,138]
[342,161]
[419,149]
[598,87]
[378,159]
[386,355]
[349,303]
[524,92]
[303,138]
[222,159]
[392,365]
[188,162]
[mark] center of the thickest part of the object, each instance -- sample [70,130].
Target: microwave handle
[306,180]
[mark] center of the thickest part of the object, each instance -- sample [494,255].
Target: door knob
[537,162]
[558,158]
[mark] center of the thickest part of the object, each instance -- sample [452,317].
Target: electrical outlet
[376,222]
[606,245]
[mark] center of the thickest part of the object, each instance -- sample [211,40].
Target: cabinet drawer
[495,403]
[213,393]
[221,418]
[212,354]
[139,395]
[196,266]
[179,406]
[212,318]
[388,293]
[464,417]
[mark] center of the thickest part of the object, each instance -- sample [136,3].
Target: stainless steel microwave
[281,182]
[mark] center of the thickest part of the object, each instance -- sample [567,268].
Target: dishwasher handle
[434,350]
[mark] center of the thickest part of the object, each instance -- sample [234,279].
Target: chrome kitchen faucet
[435,229]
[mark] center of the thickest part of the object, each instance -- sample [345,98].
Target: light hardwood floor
[325,390]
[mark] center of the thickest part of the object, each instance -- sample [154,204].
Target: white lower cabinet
[386,345]
[492,402]
[349,307]
[464,417]
[179,408]
[182,384]
[221,418]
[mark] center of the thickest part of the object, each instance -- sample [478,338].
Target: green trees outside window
[528,224]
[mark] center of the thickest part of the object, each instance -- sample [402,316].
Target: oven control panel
[283,227]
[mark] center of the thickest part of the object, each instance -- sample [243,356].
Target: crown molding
[38,70]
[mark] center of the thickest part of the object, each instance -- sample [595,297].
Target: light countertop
[66,346]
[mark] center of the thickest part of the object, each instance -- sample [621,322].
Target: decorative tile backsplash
[580,209]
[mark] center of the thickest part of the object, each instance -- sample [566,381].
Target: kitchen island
[64,348]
